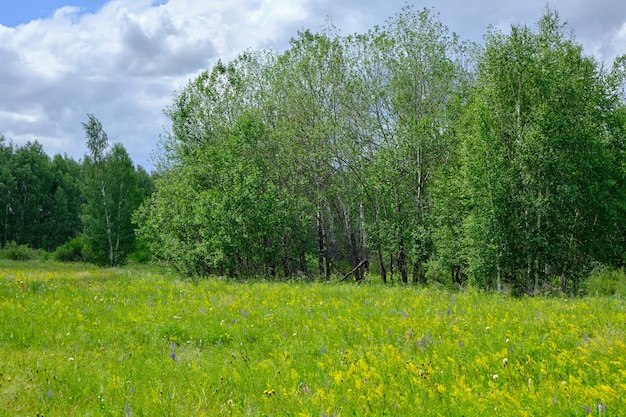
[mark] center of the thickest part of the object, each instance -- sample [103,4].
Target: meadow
[76,340]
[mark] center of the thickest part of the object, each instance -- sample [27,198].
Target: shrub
[141,254]
[606,281]
[72,251]
[15,252]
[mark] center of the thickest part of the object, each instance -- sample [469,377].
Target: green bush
[606,281]
[15,252]
[141,253]
[72,251]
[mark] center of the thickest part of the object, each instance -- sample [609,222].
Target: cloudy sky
[121,60]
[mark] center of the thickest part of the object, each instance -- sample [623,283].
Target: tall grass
[81,341]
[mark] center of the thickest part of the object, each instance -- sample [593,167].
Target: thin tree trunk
[320,242]
[383,272]
[5,235]
[363,252]
[498,275]
[402,262]
[107,219]
[536,290]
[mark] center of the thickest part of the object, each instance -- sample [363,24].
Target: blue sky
[13,13]
[121,60]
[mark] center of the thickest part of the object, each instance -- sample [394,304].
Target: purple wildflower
[425,341]
[173,352]
[305,388]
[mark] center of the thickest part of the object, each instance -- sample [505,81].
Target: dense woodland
[403,152]
[80,210]
[40,198]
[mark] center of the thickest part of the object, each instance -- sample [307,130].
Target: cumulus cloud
[122,64]
[123,61]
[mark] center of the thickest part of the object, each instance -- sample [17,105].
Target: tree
[346,133]
[395,144]
[40,198]
[539,172]
[112,195]
[68,199]
[32,201]
[218,206]
[414,73]
[145,182]
[8,192]
[312,97]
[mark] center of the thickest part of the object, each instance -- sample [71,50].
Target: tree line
[403,151]
[79,210]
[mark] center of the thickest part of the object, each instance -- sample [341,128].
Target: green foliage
[503,167]
[112,194]
[141,254]
[78,340]
[67,198]
[71,251]
[222,212]
[315,152]
[606,281]
[537,167]
[14,252]
[416,73]
[39,198]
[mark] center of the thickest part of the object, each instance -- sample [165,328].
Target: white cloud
[618,41]
[123,61]
[122,64]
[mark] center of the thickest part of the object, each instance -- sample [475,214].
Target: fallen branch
[353,270]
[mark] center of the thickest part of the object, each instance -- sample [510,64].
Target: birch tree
[540,171]
[112,194]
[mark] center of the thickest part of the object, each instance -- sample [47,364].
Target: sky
[122,60]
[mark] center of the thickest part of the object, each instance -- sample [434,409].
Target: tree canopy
[431,156]
[112,194]
[40,197]
[403,151]
[81,211]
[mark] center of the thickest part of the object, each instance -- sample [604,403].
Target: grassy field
[80,341]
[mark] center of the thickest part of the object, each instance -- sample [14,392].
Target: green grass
[81,341]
